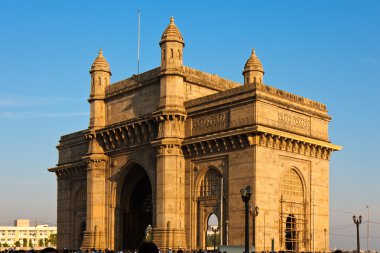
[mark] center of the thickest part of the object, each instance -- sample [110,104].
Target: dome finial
[172,33]
[100,63]
[253,69]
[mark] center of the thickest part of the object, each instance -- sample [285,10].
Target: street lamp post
[254,211]
[368,230]
[357,222]
[246,196]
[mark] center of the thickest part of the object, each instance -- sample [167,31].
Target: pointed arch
[134,204]
[292,185]
[79,216]
[293,216]
[208,183]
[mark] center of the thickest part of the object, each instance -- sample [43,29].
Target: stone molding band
[259,136]
[70,169]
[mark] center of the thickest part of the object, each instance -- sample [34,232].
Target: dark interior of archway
[81,233]
[291,233]
[138,215]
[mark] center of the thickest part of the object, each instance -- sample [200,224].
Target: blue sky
[328,51]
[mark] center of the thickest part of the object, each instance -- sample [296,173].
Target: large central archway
[136,207]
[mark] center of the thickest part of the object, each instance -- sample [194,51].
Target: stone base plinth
[169,238]
[93,240]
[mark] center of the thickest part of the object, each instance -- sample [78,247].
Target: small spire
[100,63]
[171,33]
[253,51]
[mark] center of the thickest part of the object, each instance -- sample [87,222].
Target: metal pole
[357,222]
[313,221]
[221,230]
[245,196]
[227,232]
[253,231]
[246,227]
[138,43]
[253,227]
[357,237]
[214,238]
[325,239]
[264,230]
[368,231]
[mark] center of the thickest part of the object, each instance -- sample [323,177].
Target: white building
[25,234]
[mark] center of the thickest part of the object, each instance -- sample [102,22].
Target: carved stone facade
[173,145]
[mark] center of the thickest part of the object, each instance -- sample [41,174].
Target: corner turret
[100,78]
[253,70]
[172,45]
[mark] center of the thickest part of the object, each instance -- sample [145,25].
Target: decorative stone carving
[209,123]
[294,121]
[169,150]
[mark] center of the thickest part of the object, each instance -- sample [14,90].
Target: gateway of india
[172,146]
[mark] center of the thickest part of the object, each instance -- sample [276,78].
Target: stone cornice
[126,134]
[289,96]
[70,169]
[258,136]
[299,138]
[208,80]
[72,135]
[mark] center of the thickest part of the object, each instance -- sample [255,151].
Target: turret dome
[172,33]
[253,63]
[100,64]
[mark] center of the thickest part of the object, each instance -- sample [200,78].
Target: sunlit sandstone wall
[71,189]
[261,160]
[138,96]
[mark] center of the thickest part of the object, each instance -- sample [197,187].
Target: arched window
[293,218]
[210,184]
[291,186]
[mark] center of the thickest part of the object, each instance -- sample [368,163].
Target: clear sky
[328,51]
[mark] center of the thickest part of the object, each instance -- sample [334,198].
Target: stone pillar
[94,236]
[169,231]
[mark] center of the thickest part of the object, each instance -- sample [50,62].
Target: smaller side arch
[208,198]
[79,216]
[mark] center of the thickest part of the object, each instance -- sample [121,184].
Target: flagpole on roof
[138,42]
